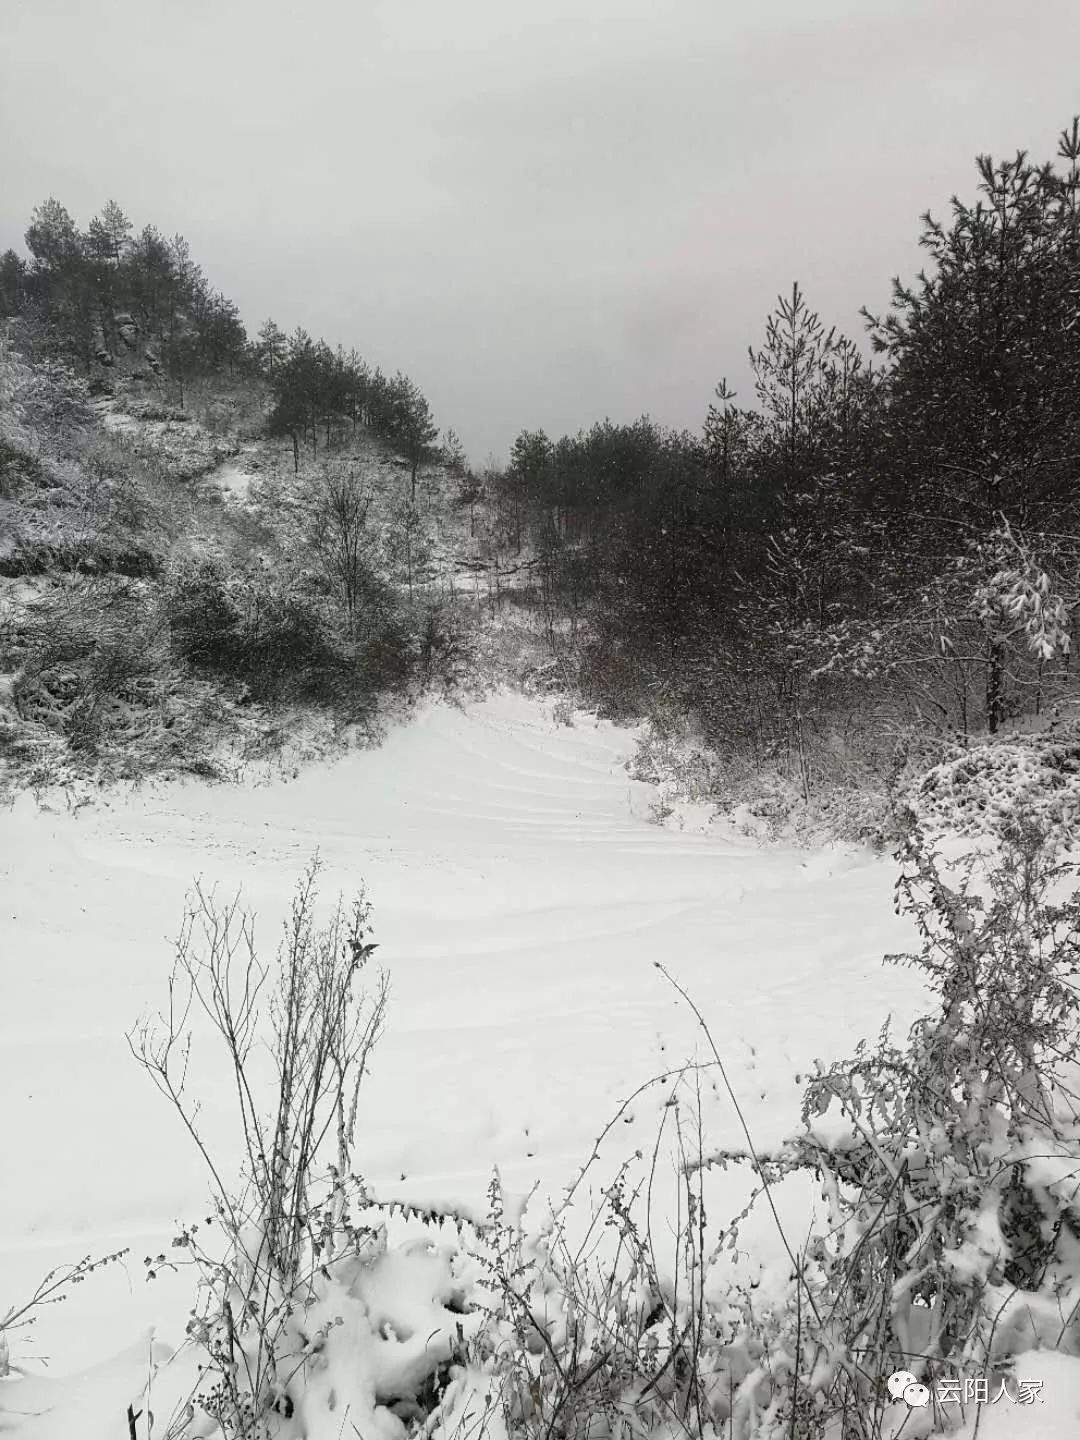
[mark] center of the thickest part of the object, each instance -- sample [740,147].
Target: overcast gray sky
[545,212]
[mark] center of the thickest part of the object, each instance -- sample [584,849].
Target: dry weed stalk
[290,1219]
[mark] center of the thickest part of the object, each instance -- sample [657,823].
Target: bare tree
[409,543]
[342,539]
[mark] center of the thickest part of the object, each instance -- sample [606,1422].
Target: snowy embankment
[520,897]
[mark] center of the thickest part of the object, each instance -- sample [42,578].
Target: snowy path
[233,477]
[520,895]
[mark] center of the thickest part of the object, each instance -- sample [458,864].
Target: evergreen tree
[790,377]
[109,234]
[52,238]
[983,352]
[413,428]
[271,347]
[13,283]
[453,454]
[152,289]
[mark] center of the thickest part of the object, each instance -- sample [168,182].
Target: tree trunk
[995,686]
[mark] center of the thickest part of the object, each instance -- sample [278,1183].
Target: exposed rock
[102,353]
[127,328]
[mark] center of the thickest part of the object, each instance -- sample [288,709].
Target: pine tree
[453,454]
[52,237]
[152,282]
[13,283]
[413,428]
[789,376]
[271,347]
[984,364]
[109,234]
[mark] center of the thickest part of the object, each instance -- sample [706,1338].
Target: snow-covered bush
[46,397]
[952,1176]
[586,1333]
[264,626]
[444,645]
[81,650]
[988,789]
[273,629]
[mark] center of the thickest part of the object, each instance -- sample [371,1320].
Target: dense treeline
[91,298]
[862,545]
[108,297]
[896,536]
[317,388]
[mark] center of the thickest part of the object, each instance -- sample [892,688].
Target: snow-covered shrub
[988,789]
[273,629]
[585,1339]
[666,754]
[265,627]
[82,649]
[610,679]
[953,1174]
[444,650]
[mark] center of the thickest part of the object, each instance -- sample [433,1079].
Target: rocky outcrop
[119,346]
[127,330]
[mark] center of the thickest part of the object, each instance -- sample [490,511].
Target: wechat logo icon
[903,1386]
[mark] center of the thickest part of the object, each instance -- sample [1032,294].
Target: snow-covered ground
[234,477]
[521,893]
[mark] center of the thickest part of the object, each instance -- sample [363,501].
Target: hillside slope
[170,583]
